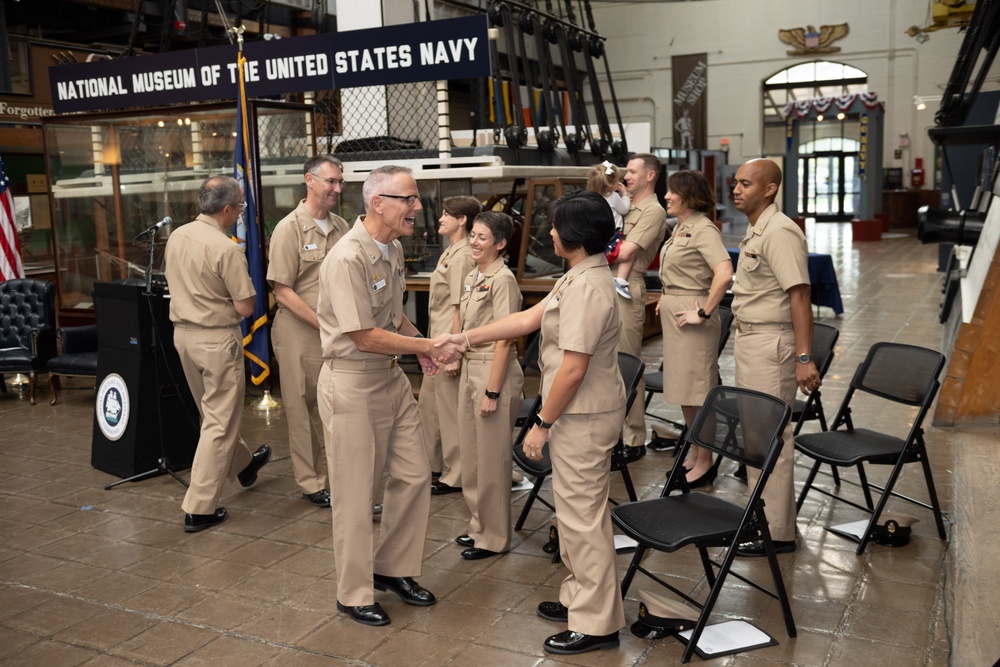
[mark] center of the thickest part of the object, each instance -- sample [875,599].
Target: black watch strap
[703,315]
[494,395]
[541,422]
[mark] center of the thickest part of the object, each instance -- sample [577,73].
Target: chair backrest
[26,305]
[824,339]
[726,318]
[631,368]
[530,358]
[741,424]
[903,373]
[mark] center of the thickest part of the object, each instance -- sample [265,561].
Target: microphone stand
[162,464]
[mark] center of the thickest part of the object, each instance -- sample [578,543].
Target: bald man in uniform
[210,292]
[299,243]
[370,418]
[774,327]
[644,230]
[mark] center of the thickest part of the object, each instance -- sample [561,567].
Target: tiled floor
[108,578]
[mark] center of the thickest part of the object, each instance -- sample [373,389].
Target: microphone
[152,230]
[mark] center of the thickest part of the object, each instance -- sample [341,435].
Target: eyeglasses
[333,181]
[409,199]
[243,206]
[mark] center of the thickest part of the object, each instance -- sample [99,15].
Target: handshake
[444,349]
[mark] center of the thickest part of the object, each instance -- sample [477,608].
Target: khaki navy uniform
[486,443]
[645,225]
[773,259]
[691,353]
[298,246]
[207,273]
[370,418]
[439,393]
[580,315]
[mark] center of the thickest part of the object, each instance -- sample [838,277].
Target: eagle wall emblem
[809,40]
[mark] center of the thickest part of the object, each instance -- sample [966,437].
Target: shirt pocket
[312,255]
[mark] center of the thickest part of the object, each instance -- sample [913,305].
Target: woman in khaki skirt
[695,270]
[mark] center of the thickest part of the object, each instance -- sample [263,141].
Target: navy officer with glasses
[299,244]
[370,418]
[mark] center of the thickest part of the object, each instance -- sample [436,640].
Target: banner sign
[690,84]
[438,50]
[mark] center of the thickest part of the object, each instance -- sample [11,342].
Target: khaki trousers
[765,362]
[446,400]
[486,449]
[633,317]
[580,447]
[212,360]
[427,404]
[297,348]
[372,425]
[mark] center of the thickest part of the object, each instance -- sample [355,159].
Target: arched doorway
[829,185]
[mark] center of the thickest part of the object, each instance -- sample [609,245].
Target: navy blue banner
[436,50]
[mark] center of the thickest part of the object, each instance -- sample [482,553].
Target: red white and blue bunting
[845,103]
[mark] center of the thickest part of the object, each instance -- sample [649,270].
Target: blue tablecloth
[825,290]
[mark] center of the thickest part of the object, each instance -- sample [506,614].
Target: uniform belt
[362,364]
[743,327]
[683,292]
[198,327]
[478,355]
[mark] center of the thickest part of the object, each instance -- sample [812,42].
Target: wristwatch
[804,358]
[703,315]
[492,394]
[541,423]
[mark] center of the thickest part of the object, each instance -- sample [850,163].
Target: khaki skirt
[690,354]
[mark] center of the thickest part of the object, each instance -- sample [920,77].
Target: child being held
[606,180]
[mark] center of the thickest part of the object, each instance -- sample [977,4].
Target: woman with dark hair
[583,409]
[489,393]
[439,393]
[695,270]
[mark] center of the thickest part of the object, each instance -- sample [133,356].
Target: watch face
[804,358]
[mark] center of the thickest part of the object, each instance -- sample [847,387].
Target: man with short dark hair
[774,327]
[299,243]
[210,293]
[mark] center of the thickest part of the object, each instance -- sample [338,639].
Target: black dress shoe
[755,548]
[249,474]
[553,611]
[197,522]
[439,488]
[320,499]
[630,454]
[659,444]
[406,588]
[705,480]
[569,642]
[478,554]
[465,541]
[369,614]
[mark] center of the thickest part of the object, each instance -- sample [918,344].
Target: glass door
[829,185]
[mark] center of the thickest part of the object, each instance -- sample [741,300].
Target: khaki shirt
[689,257]
[773,259]
[447,284]
[580,314]
[207,273]
[488,297]
[297,249]
[358,289]
[645,225]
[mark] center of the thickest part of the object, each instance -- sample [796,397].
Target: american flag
[10,244]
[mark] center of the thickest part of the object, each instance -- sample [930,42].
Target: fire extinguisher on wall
[917,174]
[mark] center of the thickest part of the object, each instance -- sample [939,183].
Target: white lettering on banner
[381,57]
[292,67]
[251,71]
[171,79]
[84,88]
[450,51]
[694,85]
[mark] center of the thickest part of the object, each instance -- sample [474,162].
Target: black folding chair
[751,435]
[631,368]
[811,409]
[898,373]
[528,362]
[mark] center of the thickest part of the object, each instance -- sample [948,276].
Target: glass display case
[114,175]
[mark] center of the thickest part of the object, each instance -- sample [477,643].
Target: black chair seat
[19,359]
[848,448]
[695,518]
[654,381]
[83,363]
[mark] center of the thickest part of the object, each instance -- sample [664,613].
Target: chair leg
[632,567]
[32,378]
[864,485]
[882,501]
[53,387]
[808,485]
[529,502]
[932,492]
[627,480]
[779,581]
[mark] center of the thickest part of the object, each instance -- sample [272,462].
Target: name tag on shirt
[310,246]
[378,284]
[468,288]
